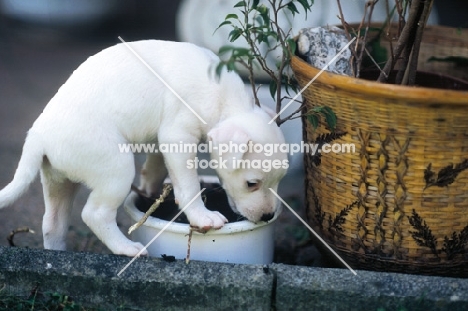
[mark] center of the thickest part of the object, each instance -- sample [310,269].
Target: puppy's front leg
[186,187]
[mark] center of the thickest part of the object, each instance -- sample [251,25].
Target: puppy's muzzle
[267,217]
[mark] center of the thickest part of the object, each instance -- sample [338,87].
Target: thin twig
[18,230]
[348,36]
[166,190]
[371,6]
[342,19]
[358,60]
[189,244]
[389,26]
[249,67]
[139,192]
[401,16]
[279,74]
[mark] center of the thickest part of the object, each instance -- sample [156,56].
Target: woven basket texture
[399,202]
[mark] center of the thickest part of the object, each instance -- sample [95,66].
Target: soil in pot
[424,79]
[214,197]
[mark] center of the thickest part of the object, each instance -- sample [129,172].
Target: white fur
[111,99]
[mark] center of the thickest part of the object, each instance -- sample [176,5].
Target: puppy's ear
[226,133]
[231,136]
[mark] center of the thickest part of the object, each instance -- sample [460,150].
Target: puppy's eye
[253,185]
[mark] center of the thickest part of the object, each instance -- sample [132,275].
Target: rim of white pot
[154,222]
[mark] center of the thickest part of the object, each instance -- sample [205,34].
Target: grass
[36,301]
[39,301]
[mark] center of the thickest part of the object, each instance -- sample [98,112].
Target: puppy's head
[245,145]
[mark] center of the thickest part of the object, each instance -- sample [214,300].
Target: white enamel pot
[240,242]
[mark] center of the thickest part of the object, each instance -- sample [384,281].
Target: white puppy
[113,99]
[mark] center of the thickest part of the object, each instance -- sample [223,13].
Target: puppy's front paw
[208,220]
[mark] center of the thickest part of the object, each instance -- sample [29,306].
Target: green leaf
[240,4]
[317,109]
[313,119]
[330,117]
[285,82]
[266,18]
[273,88]
[255,4]
[264,13]
[292,7]
[224,49]
[261,38]
[259,20]
[219,70]
[292,46]
[305,4]
[241,52]
[331,120]
[273,34]
[327,112]
[235,34]
[223,23]
[231,16]
[231,66]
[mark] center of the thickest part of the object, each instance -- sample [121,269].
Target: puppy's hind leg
[153,173]
[59,194]
[108,192]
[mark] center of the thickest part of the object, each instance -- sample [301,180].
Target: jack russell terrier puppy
[114,99]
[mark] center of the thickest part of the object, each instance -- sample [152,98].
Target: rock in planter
[319,45]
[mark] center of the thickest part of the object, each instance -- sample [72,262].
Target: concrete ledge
[300,288]
[149,283]
[153,284]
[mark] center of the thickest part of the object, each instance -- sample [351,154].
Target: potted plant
[399,203]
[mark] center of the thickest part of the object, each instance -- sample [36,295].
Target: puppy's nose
[267,217]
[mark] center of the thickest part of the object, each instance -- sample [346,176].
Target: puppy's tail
[28,166]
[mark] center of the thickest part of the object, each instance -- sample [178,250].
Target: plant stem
[402,41]
[249,65]
[413,63]
[406,54]
[292,115]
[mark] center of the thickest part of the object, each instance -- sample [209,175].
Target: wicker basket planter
[400,201]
